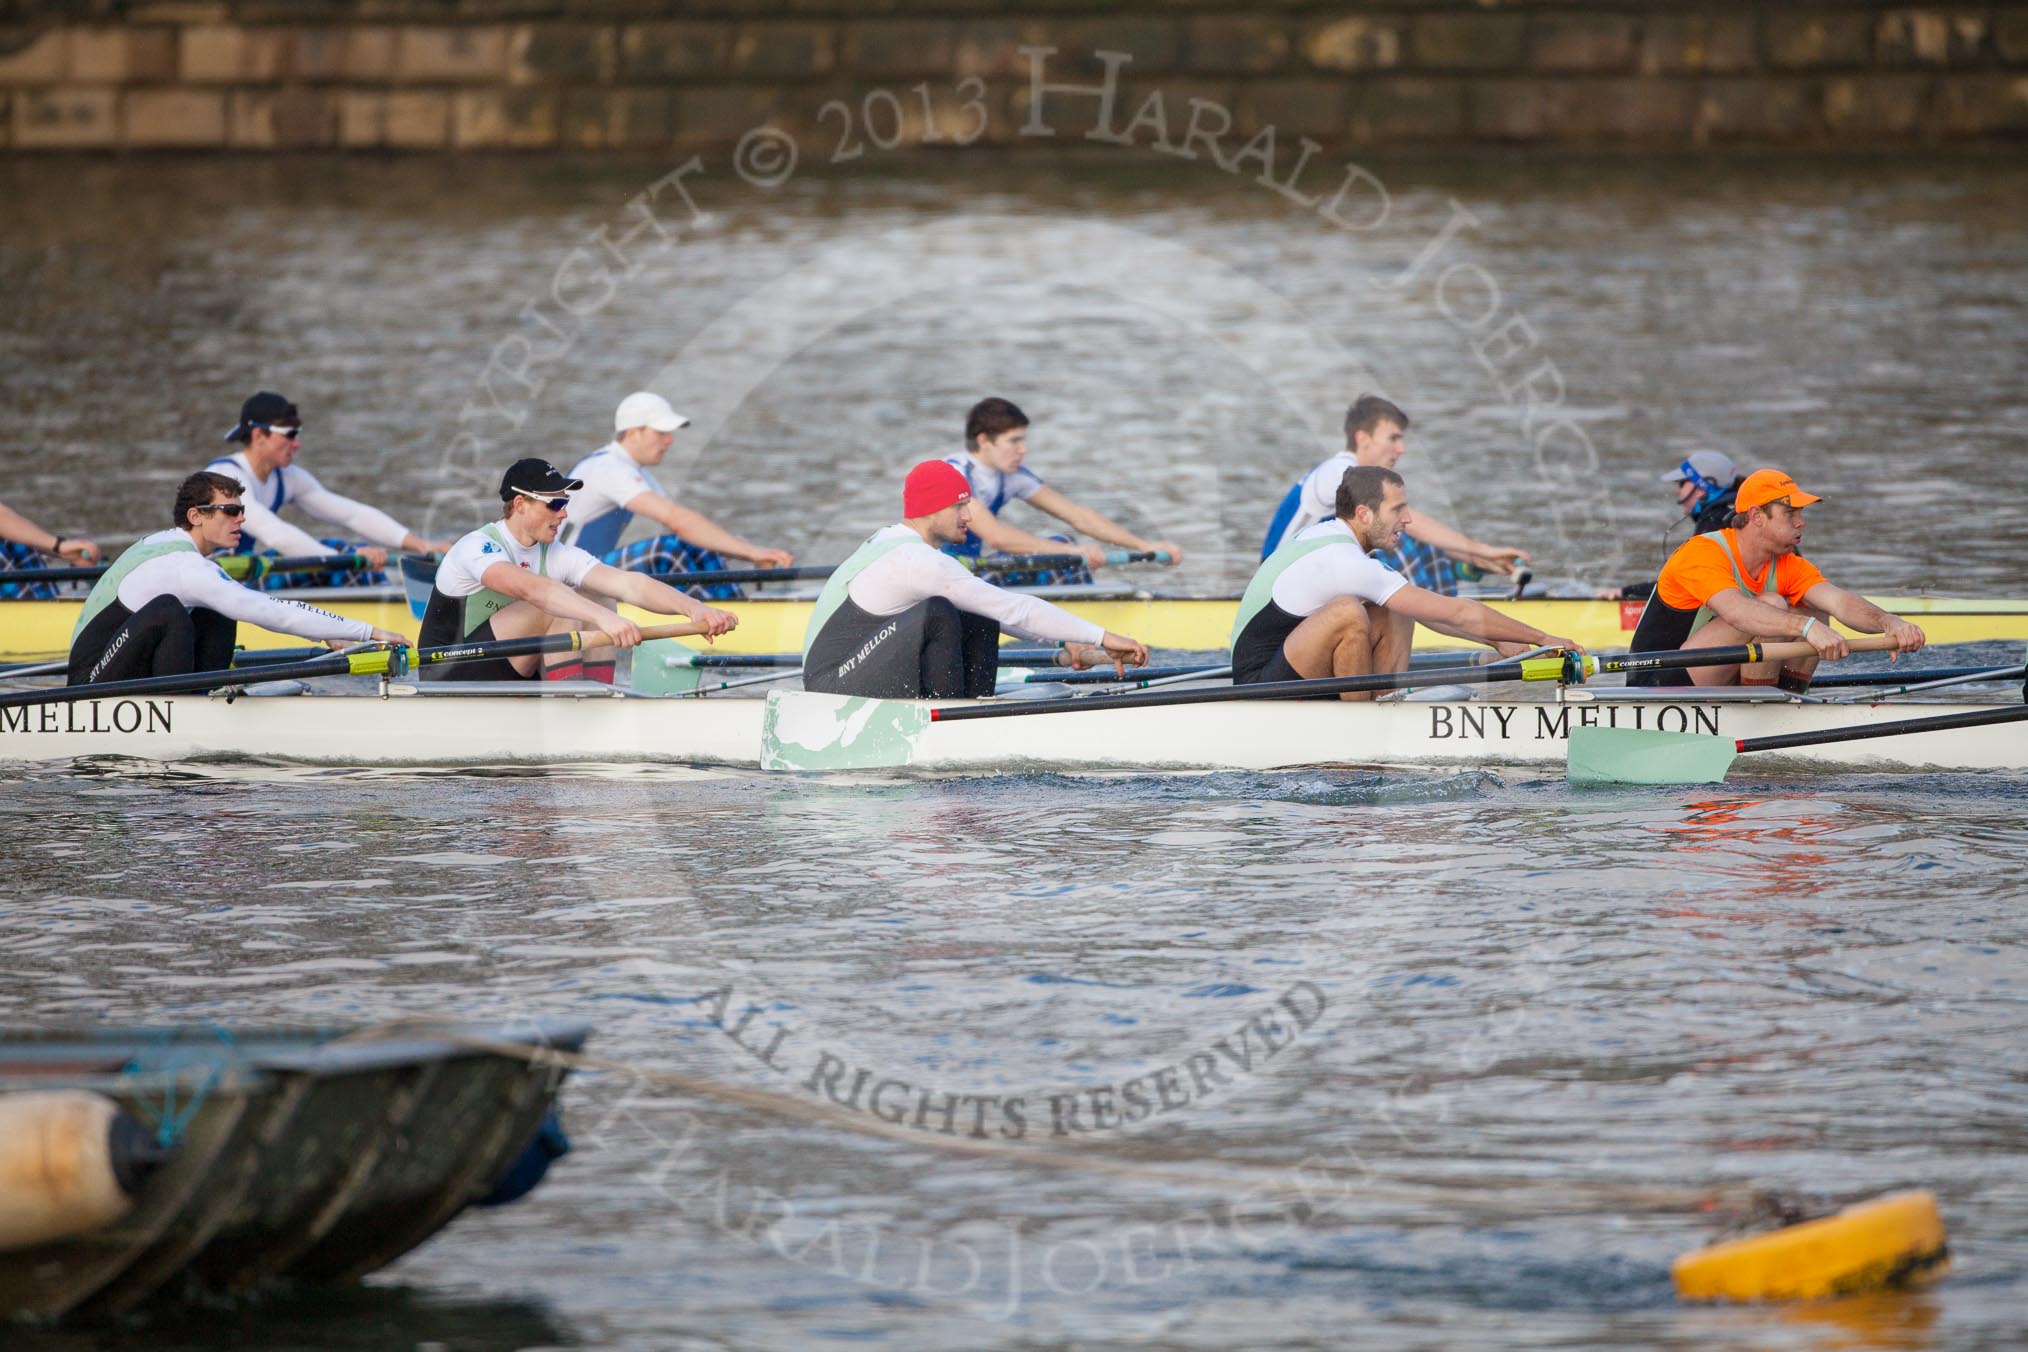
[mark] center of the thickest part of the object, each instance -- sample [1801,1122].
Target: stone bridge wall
[440,76]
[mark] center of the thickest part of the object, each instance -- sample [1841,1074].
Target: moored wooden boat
[291,1154]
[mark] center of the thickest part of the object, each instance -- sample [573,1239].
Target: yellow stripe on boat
[1888,1241]
[33,631]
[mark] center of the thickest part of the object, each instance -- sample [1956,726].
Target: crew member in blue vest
[271,432]
[1376,433]
[165,609]
[511,578]
[1323,605]
[996,447]
[1706,484]
[21,546]
[900,620]
[617,485]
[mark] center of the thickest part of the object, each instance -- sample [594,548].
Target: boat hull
[40,630]
[591,724]
[825,733]
[427,726]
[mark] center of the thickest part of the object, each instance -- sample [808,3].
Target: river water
[1528,1044]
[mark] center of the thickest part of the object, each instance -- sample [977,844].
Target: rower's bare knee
[1327,638]
[1393,636]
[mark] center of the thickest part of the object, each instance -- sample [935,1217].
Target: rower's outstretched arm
[18,528]
[1856,612]
[553,598]
[1454,542]
[1085,521]
[358,520]
[700,530]
[1467,619]
[1757,619]
[1006,539]
[659,597]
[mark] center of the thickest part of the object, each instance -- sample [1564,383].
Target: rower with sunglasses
[511,578]
[272,431]
[165,609]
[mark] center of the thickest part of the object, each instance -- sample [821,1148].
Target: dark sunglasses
[231,509]
[553,504]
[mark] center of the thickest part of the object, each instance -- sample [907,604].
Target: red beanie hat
[932,486]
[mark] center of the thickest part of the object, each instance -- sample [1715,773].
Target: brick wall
[661,75]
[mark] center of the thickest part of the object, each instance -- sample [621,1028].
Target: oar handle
[1858,643]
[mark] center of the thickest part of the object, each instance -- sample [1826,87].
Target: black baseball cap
[268,408]
[535,476]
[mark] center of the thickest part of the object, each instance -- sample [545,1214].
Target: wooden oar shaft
[1904,727]
[371,662]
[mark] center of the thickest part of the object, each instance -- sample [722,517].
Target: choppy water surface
[1536,1043]
[1186,341]
[1543,1030]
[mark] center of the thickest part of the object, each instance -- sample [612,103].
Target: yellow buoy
[1888,1241]
[67,1165]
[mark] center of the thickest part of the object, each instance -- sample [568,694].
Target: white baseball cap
[643,409]
[1716,466]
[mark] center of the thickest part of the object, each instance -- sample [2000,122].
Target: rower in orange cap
[1747,584]
[900,620]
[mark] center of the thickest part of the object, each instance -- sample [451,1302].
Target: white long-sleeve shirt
[195,580]
[295,486]
[913,572]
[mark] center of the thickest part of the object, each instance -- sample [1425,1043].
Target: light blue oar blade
[662,667]
[418,580]
[806,731]
[1639,756]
